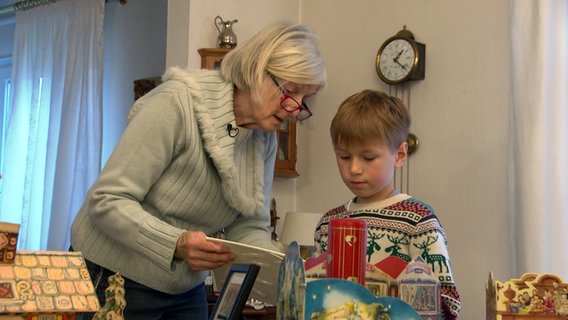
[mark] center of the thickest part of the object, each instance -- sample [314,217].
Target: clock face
[396,60]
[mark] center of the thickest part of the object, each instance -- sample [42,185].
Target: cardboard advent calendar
[534,296]
[46,285]
[335,298]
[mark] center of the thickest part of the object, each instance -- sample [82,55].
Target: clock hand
[402,66]
[398,56]
[395,59]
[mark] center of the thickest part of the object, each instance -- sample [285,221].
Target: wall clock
[400,59]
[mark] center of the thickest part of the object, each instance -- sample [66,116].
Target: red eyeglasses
[290,104]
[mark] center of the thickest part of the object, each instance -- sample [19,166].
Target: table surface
[266,313]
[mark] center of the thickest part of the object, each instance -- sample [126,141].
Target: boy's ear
[401,154]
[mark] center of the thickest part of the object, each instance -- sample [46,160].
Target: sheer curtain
[54,129]
[540,135]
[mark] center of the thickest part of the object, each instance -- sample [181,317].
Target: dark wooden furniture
[267,313]
[211,57]
[249,313]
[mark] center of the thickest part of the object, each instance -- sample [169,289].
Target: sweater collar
[213,103]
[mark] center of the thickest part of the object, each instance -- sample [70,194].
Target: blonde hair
[288,51]
[370,115]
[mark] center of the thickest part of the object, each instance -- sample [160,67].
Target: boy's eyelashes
[364,157]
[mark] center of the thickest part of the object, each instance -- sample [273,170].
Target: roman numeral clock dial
[401,59]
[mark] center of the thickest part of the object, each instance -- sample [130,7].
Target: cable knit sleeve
[144,151]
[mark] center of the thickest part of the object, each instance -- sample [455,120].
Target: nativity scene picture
[533,296]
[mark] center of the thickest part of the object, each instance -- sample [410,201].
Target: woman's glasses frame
[290,104]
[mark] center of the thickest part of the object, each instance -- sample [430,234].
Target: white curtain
[540,136]
[54,129]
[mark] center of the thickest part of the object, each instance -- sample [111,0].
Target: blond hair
[370,115]
[288,51]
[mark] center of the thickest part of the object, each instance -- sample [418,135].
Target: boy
[369,133]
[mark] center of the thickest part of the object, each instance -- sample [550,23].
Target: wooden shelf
[211,57]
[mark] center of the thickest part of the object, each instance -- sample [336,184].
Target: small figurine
[115,302]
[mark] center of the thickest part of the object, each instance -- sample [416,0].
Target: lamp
[300,227]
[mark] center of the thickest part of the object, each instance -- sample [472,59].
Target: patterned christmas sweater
[403,227]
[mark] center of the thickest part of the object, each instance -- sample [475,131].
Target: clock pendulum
[399,61]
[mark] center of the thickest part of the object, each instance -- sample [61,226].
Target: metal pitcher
[227,37]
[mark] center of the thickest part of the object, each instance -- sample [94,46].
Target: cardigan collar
[213,104]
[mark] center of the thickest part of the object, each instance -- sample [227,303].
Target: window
[5,97]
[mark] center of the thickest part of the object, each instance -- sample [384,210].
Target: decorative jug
[227,38]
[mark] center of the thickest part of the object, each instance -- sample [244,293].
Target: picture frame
[235,292]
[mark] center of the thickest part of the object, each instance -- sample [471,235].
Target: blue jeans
[144,303]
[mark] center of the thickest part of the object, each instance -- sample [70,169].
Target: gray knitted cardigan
[176,168]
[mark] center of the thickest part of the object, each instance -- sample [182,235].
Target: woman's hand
[201,254]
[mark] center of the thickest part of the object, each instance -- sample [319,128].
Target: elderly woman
[197,158]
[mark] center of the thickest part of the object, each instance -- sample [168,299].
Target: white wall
[135,42]
[460,112]
[252,15]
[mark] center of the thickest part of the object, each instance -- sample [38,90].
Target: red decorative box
[347,246]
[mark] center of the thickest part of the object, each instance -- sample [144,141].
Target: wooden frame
[235,292]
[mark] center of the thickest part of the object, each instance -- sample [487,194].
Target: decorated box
[8,241]
[333,298]
[46,285]
[532,297]
[412,282]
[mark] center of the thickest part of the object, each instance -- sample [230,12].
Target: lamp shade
[299,227]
